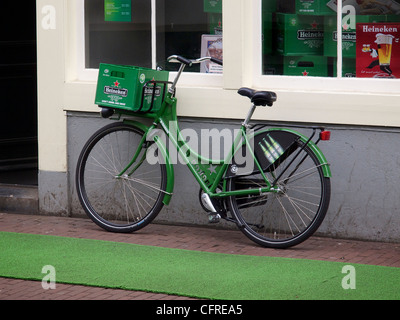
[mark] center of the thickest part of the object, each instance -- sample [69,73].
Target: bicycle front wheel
[115,202]
[286,217]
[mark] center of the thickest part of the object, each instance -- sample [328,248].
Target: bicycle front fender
[164,154]
[317,151]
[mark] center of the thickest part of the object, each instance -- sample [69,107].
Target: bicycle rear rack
[324,134]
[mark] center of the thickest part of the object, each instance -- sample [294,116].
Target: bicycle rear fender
[317,151]
[165,155]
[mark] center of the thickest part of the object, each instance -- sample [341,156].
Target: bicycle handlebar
[180,59]
[186,62]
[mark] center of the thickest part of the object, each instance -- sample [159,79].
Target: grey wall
[365,202]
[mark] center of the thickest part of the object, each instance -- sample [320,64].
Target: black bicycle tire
[81,192]
[299,238]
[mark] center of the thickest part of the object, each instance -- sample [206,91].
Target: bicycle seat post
[245,123]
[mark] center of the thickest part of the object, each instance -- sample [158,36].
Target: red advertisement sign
[378,50]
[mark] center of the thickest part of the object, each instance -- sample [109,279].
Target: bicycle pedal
[214,217]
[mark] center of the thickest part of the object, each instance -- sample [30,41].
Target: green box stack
[300,37]
[124,87]
[299,34]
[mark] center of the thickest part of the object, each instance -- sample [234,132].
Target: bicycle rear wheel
[288,217]
[119,204]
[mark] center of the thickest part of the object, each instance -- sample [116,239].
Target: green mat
[189,273]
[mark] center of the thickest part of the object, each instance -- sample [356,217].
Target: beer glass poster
[378,50]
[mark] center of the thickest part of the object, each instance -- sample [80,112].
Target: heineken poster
[118,10]
[378,50]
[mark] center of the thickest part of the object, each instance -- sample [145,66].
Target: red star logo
[314,25]
[116,84]
[305,73]
[345,26]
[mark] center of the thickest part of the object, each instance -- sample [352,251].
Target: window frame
[312,84]
[90,75]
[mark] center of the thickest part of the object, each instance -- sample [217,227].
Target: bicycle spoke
[287,214]
[115,202]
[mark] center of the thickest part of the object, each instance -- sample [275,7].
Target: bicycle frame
[198,165]
[214,185]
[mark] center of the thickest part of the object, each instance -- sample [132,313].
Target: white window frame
[187,79]
[312,84]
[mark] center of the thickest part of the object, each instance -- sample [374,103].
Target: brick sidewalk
[181,237]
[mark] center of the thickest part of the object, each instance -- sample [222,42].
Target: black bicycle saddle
[259,98]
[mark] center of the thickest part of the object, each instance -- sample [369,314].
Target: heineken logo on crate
[346,36]
[116,91]
[309,34]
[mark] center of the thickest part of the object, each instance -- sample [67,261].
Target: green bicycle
[274,184]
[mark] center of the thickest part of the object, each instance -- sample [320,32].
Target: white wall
[51,77]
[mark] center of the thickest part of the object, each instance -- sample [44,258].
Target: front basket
[131,88]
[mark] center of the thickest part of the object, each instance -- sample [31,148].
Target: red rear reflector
[325,135]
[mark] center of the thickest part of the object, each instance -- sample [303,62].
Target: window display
[300,37]
[110,40]
[123,32]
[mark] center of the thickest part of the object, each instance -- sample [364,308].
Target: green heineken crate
[131,88]
[314,7]
[299,35]
[306,66]
[348,34]
[213,6]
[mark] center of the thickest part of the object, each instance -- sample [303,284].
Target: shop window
[117,32]
[145,33]
[300,38]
